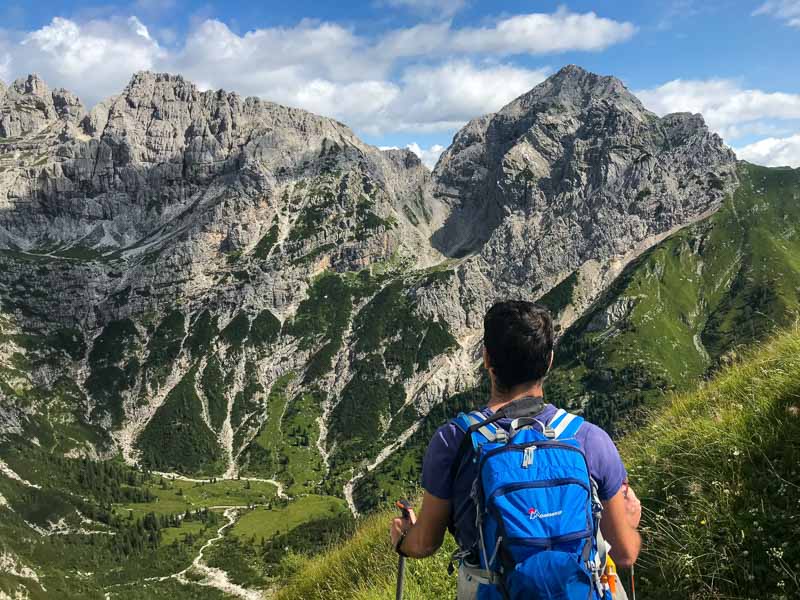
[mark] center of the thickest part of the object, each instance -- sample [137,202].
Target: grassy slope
[717,473]
[694,298]
[265,524]
[177,496]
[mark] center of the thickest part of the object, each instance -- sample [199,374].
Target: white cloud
[95,59]
[726,106]
[773,152]
[544,33]
[445,8]
[786,10]
[429,78]
[428,156]
[537,33]
[448,95]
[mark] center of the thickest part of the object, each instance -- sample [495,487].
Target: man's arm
[619,524]
[426,533]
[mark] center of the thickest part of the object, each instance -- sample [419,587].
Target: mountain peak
[575,86]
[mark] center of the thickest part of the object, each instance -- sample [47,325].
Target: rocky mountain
[224,287]
[574,176]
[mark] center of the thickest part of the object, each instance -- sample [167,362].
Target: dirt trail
[214,577]
[281,493]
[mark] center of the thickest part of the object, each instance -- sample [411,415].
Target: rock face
[165,170]
[576,170]
[183,268]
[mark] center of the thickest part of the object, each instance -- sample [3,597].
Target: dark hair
[518,337]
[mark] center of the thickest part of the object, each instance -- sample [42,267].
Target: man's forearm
[625,557]
[415,545]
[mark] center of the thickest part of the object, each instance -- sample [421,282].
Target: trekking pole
[404,506]
[633,585]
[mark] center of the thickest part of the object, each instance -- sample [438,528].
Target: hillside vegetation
[688,303]
[717,471]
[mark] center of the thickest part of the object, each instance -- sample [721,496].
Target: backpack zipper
[527,456]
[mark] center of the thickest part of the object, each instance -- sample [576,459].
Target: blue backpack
[538,512]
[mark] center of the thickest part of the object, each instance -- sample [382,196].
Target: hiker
[517,353]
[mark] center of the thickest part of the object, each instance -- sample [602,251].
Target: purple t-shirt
[605,464]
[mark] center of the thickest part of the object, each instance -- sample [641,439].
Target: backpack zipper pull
[527,456]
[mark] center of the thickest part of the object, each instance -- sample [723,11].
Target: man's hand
[620,518]
[633,507]
[424,537]
[400,525]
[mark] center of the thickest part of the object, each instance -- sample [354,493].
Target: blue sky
[411,72]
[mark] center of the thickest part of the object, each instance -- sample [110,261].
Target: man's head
[518,339]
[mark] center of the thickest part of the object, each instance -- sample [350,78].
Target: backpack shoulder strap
[564,424]
[475,422]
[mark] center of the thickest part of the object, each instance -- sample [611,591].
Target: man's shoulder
[593,437]
[448,434]
[593,431]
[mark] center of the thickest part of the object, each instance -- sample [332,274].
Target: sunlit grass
[266,523]
[178,496]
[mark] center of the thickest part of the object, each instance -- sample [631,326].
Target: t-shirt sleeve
[437,466]
[605,464]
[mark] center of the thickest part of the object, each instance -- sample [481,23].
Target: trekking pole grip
[404,506]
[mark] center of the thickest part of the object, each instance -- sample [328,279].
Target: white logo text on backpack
[535,514]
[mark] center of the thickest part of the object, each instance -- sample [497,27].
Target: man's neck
[500,399]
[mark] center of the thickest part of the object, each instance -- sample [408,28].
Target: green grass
[285,447]
[267,523]
[301,467]
[717,473]
[265,544]
[178,496]
[365,567]
[173,534]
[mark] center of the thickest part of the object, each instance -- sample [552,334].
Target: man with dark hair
[517,353]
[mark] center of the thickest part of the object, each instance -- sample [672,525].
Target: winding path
[214,577]
[281,493]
